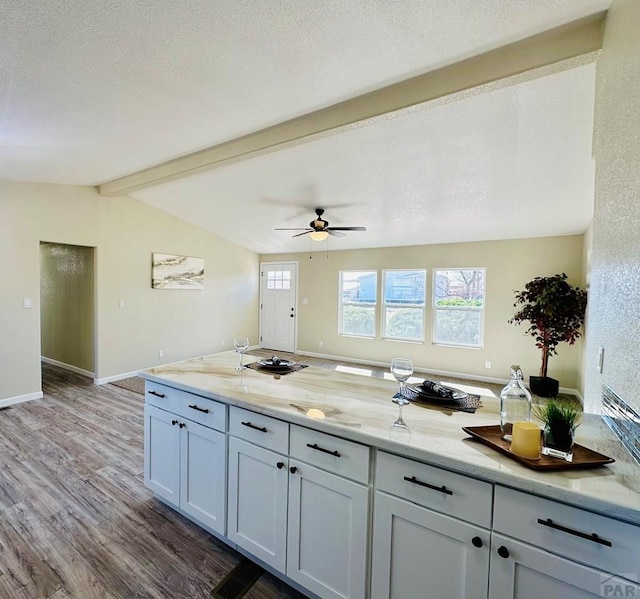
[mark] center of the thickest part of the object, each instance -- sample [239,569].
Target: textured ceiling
[91,91]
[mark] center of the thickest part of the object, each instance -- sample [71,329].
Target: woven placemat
[468,404]
[286,370]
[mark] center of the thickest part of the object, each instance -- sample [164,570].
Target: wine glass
[402,369]
[241,344]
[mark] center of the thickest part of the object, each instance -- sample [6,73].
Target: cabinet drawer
[207,412]
[446,492]
[330,453]
[561,529]
[259,429]
[161,396]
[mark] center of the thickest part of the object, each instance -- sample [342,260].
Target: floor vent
[238,582]
[623,420]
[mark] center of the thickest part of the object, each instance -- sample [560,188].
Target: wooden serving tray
[583,457]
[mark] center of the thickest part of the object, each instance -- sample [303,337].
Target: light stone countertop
[359,408]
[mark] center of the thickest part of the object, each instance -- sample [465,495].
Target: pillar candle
[526,440]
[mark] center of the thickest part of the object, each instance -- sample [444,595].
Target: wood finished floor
[76,521]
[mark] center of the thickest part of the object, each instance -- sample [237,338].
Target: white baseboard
[11,401]
[443,373]
[116,377]
[69,367]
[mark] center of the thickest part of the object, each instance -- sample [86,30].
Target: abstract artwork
[177,272]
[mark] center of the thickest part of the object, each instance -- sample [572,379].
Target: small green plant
[559,422]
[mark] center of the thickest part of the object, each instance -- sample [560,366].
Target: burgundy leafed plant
[555,310]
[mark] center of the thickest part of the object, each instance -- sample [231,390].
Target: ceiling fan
[319,228]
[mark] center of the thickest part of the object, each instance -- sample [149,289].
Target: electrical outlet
[487,363]
[161,353]
[121,304]
[320,344]
[222,342]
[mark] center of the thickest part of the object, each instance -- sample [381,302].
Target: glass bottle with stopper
[515,403]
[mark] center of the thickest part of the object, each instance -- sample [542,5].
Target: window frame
[481,310]
[413,306]
[342,304]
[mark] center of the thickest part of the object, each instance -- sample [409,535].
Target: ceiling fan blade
[294,229]
[335,233]
[346,229]
[299,234]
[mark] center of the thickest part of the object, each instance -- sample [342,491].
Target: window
[458,301]
[278,279]
[404,304]
[358,296]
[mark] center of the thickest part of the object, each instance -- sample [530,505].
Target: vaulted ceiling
[94,92]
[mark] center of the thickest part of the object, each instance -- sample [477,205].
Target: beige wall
[614,302]
[67,304]
[509,265]
[124,232]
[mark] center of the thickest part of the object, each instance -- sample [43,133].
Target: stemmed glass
[402,369]
[241,344]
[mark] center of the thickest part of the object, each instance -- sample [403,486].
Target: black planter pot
[544,386]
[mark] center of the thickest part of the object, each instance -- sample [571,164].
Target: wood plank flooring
[76,521]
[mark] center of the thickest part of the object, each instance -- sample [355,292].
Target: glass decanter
[515,403]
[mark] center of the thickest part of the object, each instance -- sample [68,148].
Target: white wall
[614,302]
[509,264]
[125,233]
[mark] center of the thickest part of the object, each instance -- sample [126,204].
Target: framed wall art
[170,271]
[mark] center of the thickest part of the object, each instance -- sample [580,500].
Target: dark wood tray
[583,457]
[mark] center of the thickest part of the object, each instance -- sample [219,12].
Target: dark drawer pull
[323,450]
[577,533]
[174,422]
[203,410]
[156,394]
[262,429]
[415,481]
[182,425]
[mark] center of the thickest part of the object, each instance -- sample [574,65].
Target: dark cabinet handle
[323,450]
[174,422]
[203,410]
[477,541]
[262,429]
[503,552]
[280,465]
[293,470]
[576,533]
[182,425]
[162,395]
[415,481]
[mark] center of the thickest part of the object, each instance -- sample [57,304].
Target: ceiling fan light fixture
[318,235]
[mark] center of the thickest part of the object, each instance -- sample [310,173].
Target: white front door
[278,310]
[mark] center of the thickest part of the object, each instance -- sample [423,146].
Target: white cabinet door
[420,554]
[162,453]
[203,460]
[257,514]
[521,571]
[327,536]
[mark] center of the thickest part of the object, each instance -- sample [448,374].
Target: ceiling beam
[547,48]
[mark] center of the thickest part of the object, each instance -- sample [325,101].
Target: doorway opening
[67,306]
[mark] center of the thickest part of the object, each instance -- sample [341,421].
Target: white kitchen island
[300,473]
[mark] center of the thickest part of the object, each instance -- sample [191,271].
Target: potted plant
[555,310]
[560,422]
